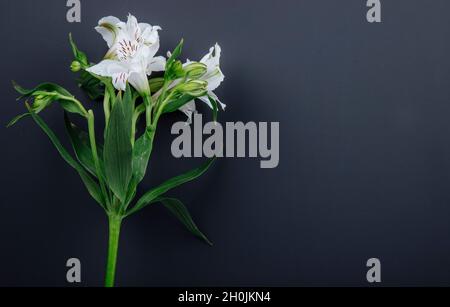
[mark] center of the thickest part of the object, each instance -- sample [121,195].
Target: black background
[364,148]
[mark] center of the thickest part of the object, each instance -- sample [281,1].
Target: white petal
[214,78]
[188,109]
[107,27]
[132,27]
[214,96]
[114,69]
[206,100]
[119,80]
[212,59]
[106,68]
[153,49]
[149,33]
[156,64]
[214,75]
[138,79]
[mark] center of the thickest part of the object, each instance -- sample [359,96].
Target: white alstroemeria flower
[213,76]
[131,56]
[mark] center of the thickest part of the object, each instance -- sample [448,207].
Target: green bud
[175,71]
[75,66]
[195,88]
[195,70]
[42,100]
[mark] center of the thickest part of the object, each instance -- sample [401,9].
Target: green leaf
[80,56]
[151,195]
[93,87]
[131,193]
[174,68]
[177,208]
[175,54]
[118,150]
[90,184]
[141,154]
[44,87]
[16,119]
[82,147]
[46,93]
[174,105]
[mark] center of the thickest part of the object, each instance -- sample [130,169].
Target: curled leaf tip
[27,105]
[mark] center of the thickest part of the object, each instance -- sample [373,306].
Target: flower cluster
[132,58]
[128,82]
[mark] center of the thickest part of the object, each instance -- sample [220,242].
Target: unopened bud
[195,88]
[75,66]
[195,70]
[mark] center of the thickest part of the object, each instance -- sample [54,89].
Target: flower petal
[149,33]
[188,109]
[212,58]
[138,79]
[107,27]
[156,64]
[206,100]
[214,75]
[114,69]
[133,28]
[214,96]
[119,80]
[214,78]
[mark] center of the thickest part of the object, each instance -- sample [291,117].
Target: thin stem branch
[91,128]
[107,106]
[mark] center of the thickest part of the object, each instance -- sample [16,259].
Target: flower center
[127,49]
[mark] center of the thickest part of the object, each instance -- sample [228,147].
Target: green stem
[91,128]
[106,107]
[148,109]
[159,111]
[113,245]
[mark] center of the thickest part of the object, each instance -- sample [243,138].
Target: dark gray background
[365,148]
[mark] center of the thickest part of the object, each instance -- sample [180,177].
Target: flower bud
[195,70]
[195,88]
[175,71]
[42,100]
[75,66]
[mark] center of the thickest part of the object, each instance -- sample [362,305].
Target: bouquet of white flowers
[111,170]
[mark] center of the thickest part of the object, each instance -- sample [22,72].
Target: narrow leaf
[151,195]
[90,184]
[141,154]
[93,87]
[118,151]
[46,87]
[177,208]
[16,119]
[55,93]
[175,54]
[174,105]
[81,146]
[80,56]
